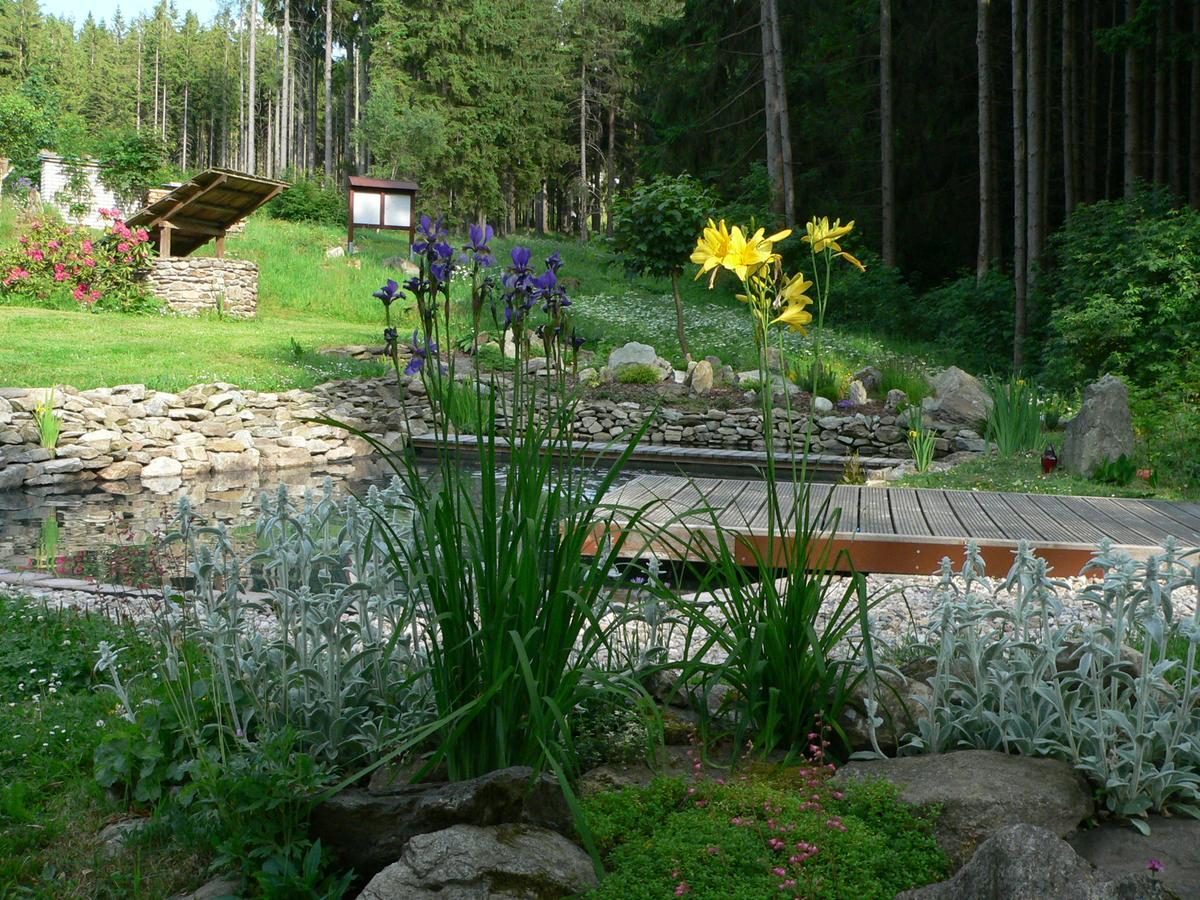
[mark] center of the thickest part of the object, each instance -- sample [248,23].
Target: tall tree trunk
[1069,123]
[1194,124]
[1089,98]
[771,114]
[156,66]
[1020,199]
[328,88]
[983,61]
[1160,96]
[584,188]
[348,111]
[1035,137]
[1175,132]
[886,132]
[183,139]
[610,189]
[139,82]
[251,156]
[285,145]
[781,110]
[1133,123]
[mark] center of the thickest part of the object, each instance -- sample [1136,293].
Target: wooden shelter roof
[381,184]
[205,208]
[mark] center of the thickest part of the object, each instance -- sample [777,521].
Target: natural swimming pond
[114,532]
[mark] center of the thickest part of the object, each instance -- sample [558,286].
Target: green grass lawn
[315,300]
[51,808]
[1023,474]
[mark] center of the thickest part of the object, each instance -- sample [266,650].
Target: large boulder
[632,354]
[370,827]
[1120,850]
[1025,862]
[958,399]
[981,791]
[466,862]
[900,701]
[1103,430]
[701,379]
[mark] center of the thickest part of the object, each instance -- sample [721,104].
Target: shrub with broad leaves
[66,266]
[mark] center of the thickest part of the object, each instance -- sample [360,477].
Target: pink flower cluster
[52,257]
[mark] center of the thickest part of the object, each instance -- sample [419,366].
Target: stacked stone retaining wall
[132,432]
[198,284]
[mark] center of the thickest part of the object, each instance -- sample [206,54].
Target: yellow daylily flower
[796,289]
[711,249]
[854,262]
[821,234]
[795,316]
[747,255]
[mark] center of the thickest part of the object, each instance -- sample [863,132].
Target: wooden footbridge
[893,530]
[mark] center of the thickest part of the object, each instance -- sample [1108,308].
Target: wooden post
[164,240]
[221,245]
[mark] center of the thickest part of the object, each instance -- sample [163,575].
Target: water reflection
[118,526]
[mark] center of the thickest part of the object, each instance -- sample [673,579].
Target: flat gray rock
[1121,850]
[981,792]
[369,828]
[466,862]
[1024,862]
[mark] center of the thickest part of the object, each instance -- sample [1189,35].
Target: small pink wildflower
[1155,866]
[779,870]
[682,888]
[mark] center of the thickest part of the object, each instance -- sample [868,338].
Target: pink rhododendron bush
[68,266]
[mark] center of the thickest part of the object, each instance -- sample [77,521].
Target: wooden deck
[898,530]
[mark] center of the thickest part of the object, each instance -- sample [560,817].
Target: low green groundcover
[775,832]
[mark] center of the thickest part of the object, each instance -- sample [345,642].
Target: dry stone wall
[197,284]
[131,432]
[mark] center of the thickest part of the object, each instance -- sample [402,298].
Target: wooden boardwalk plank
[906,512]
[1083,530]
[975,521]
[1047,527]
[939,515]
[874,512]
[1156,515]
[902,529]
[845,498]
[1014,527]
[1118,528]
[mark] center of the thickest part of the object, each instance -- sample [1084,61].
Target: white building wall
[54,181]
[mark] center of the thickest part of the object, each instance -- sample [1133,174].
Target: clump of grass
[640,373]
[922,441]
[904,376]
[49,424]
[828,378]
[1014,424]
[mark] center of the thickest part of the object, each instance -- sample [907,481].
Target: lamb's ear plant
[1020,679]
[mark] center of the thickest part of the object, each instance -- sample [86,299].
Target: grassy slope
[314,300]
[1023,474]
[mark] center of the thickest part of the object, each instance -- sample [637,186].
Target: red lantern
[1049,460]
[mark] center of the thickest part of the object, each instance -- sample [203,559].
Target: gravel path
[906,611]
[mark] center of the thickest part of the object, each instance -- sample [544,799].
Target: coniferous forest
[906,113]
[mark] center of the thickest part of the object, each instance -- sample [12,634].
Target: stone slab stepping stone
[1120,849]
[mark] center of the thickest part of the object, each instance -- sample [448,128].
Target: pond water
[113,533]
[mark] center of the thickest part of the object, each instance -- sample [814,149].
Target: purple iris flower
[415,285]
[480,244]
[388,293]
[419,355]
[430,232]
[554,262]
[577,341]
[442,271]
[520,259]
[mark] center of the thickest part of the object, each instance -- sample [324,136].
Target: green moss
[717,840]
[639,374]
